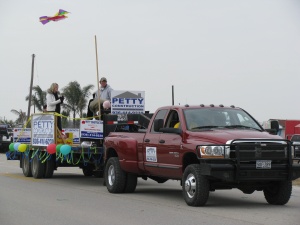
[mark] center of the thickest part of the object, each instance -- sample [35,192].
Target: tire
[131,182]
[37,167]
[278,193]
[87,171]
[195,187]
[115,177]
[26,165]
[49,167]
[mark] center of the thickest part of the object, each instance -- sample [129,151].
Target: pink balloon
[51,149]
[106,104]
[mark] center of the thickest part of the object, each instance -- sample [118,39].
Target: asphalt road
[69,198]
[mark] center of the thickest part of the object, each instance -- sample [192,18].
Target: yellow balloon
[22,147]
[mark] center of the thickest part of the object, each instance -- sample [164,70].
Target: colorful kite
[58,16]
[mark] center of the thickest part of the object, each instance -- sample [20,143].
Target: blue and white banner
[127,102]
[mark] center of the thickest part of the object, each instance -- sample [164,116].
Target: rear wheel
[26,165]
[131,182]
[49,167]
[195,186]
[37,167]
[115,177]
[278,193]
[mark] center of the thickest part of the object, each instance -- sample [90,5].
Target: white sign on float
[127,102]
[91,129]
[22,135]
[42,129]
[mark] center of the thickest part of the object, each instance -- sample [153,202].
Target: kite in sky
[58,16]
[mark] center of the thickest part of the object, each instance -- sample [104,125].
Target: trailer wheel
[98,173]
[278,193]
[87,171]
[26,165]
[115,177]
[37,167]
[195,186]
[49,167]
[131,182]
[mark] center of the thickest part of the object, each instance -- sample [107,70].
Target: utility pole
[172,94]
[30,89]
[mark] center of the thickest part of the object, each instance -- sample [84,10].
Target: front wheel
[195,186]
[115,177]
[278,193]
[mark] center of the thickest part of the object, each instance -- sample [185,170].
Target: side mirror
[158,123]
[274,127]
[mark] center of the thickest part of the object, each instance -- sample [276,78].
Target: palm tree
[21,116]
[76,98]
[8,122]
[38,99]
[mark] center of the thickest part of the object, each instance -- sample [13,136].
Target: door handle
[147,140]
[161,141]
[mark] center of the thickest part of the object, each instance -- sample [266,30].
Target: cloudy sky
[243,53]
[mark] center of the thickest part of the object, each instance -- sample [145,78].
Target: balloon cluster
[60,148]
[17,147]
[51,148]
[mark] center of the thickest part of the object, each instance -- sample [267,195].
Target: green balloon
[11,147]
[58,147]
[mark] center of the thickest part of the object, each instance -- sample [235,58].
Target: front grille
[247,151]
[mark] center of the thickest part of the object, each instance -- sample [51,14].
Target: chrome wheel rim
[111,175]
[190,185]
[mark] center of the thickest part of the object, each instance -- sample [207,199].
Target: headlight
[212,151]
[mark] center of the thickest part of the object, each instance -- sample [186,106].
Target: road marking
[17,176]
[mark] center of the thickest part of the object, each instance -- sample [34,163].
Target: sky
[242,53]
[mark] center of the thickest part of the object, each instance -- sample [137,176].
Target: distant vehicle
[5,137]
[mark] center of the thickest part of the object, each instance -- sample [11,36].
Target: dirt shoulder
[296,182]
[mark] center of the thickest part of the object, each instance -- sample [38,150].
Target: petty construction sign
[127,102]
[42,129]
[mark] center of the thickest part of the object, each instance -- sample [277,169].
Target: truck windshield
[227,118]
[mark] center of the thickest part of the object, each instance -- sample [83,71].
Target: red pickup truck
[207,148]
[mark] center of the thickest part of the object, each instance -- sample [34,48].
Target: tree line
[76,100]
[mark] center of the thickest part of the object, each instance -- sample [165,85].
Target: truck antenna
[172,94]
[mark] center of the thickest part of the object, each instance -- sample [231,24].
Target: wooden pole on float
[30,89]
[98,89]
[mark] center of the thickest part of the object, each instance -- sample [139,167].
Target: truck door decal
[151,154]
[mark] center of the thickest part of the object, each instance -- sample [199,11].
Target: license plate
[263,164]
